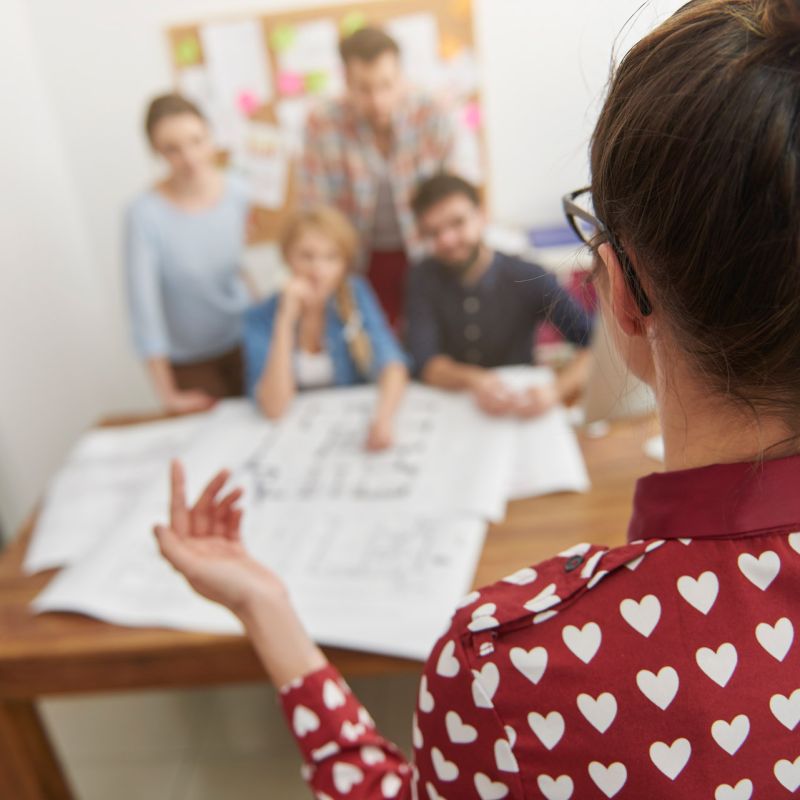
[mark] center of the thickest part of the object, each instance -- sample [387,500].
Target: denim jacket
[259,322]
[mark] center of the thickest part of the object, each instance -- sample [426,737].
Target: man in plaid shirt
[367,152]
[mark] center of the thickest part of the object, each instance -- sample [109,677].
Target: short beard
[461,268]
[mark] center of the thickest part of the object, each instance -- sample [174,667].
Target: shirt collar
[720,500]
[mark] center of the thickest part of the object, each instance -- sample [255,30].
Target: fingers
[203,511]
[234,531]
[222,514]
[178,512]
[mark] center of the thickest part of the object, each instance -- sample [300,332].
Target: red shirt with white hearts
[666,668]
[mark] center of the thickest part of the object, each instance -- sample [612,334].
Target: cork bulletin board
[257,77]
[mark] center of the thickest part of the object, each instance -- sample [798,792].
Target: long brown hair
[696,170]
[333,224]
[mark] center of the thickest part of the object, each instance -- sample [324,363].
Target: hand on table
[189,402]
[536,400]
[204,545]
[493,396]
[380,436]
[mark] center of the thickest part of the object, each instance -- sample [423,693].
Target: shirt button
[472,332]
[573,563]
[472,305]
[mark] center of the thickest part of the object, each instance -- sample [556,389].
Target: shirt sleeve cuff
[324,715]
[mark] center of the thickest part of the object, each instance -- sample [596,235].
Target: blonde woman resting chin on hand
[324,329]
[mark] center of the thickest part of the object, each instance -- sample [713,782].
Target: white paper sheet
[262,156]
[418,38]
[312,49]
[548,457]
[101,482]
[413,570]
[447,457]
[239,74]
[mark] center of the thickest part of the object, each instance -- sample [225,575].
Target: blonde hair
[332,223]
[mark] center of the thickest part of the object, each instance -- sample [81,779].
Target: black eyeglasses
[592,232]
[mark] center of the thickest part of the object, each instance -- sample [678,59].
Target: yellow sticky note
[352,22]
[187,51]
[283,38]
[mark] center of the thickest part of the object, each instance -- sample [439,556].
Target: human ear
[620,298]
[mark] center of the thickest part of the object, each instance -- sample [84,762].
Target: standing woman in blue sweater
[184,243]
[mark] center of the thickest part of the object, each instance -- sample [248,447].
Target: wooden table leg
[29,768]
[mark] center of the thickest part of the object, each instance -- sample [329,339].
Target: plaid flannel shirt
[341,164]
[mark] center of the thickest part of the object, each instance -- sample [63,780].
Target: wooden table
[67,653]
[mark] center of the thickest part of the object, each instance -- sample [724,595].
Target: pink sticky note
[290,83]
[247,102]
[473,116]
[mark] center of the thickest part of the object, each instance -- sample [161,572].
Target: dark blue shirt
[491,323]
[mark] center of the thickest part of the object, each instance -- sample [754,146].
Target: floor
[204,744]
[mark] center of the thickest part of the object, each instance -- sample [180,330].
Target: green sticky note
[354,21]
[316,82]
[283,38]
[187,51]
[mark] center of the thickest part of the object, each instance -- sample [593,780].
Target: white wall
[53,319]
[73,154]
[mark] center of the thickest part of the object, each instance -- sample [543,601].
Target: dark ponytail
[696,170]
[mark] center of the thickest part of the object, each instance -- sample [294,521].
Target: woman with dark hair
[184,242]
[669,667]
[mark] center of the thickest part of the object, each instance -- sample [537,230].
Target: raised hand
[203,543]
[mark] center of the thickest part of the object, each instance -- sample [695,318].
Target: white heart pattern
[332,695]
[391,784]
[326,751]
[372,755]
[608,779]
[786,709]
[548,729]
[511,734]
[352,730]
[416,733]
[776,639]
[700,593]
[718,665]
[458,731]
[632,565]
[642,616]
[489,789]
[346,776]
[425,702]
[659,689]
[794,542]
[504,758]
[304,721]
[600,712]
[531,663]
[730,736]
[482,618]
[547,598]
[484,685]
[788,773]
[432,793]
[760,571]
[742,791]
[560,788]
[522,577]
[447,666]
[583,642]
[445,770]
[671,759]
